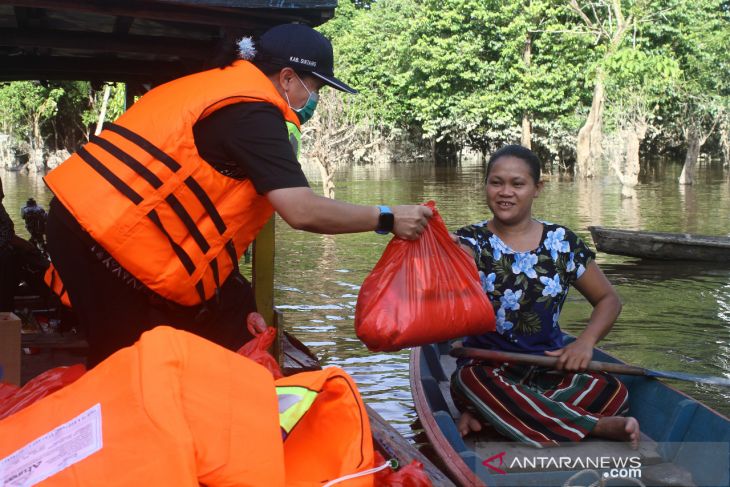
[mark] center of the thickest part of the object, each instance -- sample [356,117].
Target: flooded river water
[676,316]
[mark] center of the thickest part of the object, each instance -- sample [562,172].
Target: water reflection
[587,205]
[676,315]
[723,303]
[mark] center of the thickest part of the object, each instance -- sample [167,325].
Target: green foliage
[26,106]
[53,115]
[115,105]
[372,52]
[466,72]
[457,76]
[694,35]
[458,68]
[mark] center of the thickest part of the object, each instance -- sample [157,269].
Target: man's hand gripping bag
[422,291]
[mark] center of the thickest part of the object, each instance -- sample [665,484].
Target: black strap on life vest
[173,165]
[187,220]
[174,203]
[155,182]
[187,262]
[112,178]
[145,145]
[130,161]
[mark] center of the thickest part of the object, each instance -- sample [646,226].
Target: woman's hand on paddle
[574,357]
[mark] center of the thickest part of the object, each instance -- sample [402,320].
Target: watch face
[385,223]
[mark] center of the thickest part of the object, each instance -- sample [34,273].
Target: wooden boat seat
[64,341]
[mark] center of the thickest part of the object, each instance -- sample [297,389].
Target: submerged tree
[639,83]
[28,106]
[702,99]
[608,23]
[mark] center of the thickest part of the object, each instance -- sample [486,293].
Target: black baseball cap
[302,48]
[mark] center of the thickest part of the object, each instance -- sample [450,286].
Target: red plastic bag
[257,348]
[13,398]
[422,291]
[412,475]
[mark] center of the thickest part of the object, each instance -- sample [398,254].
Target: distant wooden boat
[658,245]
[683,442]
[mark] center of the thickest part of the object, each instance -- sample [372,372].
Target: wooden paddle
[614,368]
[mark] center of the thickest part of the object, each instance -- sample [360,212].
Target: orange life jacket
[177,410]
[171,410]
[53,281]
[143,192]
[333,438]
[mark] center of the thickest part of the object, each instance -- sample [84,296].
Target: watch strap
[386,220]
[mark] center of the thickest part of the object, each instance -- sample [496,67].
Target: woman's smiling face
[511,188]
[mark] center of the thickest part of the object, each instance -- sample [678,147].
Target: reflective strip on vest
[295,137]
[294,402]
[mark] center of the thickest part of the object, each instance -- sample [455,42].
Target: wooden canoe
[658,245]
[683,442]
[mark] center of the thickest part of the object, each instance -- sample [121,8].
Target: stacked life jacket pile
[177,410]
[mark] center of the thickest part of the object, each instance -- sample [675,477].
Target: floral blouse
[527,289]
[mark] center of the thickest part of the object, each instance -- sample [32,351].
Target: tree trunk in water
[526,131]
[328,184]
[102,112]
[694,143]
[444,151]
[635,135]
[590,136]
[35,157]
[526,123]
[725,144]
[629,176]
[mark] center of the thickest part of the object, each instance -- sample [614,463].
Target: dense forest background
[587,84]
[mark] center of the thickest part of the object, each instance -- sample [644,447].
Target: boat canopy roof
[134,41]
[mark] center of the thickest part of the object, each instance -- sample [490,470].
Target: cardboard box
[10,348]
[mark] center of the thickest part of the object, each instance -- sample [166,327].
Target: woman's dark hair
[228,54]
[519,152]
[267,67]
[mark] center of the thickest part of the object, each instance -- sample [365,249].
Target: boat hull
[673,425]
[661,246]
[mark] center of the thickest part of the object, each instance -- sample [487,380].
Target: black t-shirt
[250,140]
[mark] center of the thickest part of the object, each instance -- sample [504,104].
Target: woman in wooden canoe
[526,267]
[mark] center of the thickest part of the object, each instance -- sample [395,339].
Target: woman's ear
[540,184]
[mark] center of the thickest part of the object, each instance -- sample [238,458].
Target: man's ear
[286,75]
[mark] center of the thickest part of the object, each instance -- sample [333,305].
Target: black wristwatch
[386,220]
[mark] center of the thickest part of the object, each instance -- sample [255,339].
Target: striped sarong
[535,405]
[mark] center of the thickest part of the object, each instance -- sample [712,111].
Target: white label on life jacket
[64,446]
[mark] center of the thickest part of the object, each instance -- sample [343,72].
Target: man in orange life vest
[150,218]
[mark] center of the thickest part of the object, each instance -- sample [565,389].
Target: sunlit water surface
[676,316]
